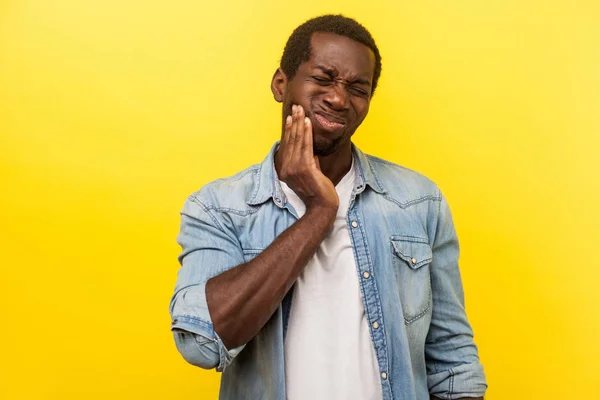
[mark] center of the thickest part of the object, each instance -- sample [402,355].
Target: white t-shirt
[329,353]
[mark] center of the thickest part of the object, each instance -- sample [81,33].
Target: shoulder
[229,193]
[403,185]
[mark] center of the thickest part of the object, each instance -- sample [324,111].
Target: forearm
[242,299]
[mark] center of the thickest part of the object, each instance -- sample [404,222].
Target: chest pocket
[411,257]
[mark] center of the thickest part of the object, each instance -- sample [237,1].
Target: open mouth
[328,124]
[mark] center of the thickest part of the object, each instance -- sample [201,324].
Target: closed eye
[321,79]
[359,91]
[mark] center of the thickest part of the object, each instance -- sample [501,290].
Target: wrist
[322,215]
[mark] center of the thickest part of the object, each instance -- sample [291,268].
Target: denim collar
[267,183]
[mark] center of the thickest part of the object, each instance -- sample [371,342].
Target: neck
[336,165]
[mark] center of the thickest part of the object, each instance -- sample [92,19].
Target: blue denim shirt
[406,252]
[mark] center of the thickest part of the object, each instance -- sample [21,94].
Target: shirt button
[383,375]
[354,224]
[375,325]
[366,275]
[413,260]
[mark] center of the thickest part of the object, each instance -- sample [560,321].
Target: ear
[279,85]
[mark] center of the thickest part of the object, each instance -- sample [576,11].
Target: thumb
[317,162]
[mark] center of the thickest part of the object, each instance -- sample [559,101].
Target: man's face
[334,88]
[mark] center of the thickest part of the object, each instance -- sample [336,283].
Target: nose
[337,97]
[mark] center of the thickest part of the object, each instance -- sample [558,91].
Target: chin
[323,151]
[325,147]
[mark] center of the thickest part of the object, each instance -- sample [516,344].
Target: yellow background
[112,112]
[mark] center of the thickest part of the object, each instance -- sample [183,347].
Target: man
[323,272]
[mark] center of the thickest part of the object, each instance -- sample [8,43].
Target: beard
[325,147]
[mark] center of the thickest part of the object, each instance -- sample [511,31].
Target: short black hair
[297,49]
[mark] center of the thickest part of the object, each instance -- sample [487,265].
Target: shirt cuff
[465,380]
[189,312]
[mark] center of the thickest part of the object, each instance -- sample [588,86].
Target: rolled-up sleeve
[453,366]
[208,249]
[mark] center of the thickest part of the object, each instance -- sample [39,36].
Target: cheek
[304,98]
[314,94]
[302,89]
[361,108]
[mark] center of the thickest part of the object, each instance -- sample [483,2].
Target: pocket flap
[415,251]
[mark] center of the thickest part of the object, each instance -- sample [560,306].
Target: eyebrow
[330,71]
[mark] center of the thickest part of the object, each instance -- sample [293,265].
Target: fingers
[288,139]
[307,143]
[292,135]
[285,140]
[286,133]
[296,143]
[297,136]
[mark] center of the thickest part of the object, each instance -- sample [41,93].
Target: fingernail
[306,120]
[288,120]
[293,108]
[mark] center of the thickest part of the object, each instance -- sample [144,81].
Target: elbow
[196,350]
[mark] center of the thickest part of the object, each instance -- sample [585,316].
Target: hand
[299,167]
